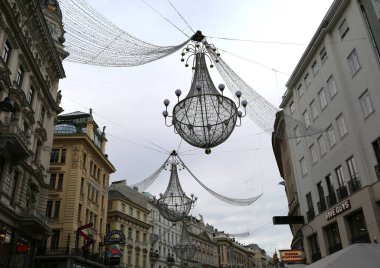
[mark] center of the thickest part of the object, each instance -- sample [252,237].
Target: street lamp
[6,105]
[204,118]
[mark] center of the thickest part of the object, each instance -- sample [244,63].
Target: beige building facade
[79,180]
[128,212]
[30,69]
[334,95]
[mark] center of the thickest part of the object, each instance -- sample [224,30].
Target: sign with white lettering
[338,210]
[111,239]
[291,255]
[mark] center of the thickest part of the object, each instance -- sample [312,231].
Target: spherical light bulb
[166,102]
[244,103]
[239,114]
[178,92]
[208,151]
[165,113]
[238,93]
[198,86]
[186,65]
[221,87]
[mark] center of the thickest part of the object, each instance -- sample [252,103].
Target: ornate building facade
[30,70]
[128,212]
[78,194]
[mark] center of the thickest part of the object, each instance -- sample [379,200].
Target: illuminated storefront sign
[338,210]
[291,255]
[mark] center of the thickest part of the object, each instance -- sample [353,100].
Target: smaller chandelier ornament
[205,118]
[185,249]
[174,205]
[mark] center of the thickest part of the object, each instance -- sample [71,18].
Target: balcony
[15,140]
[341,192]
[310,215]
[73,252]
[331,199]
[321,206]
[354,185]
[34,221]
[377,170]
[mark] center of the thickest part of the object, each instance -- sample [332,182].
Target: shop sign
[120,239]
[346,205]
[22,248]
[291,255]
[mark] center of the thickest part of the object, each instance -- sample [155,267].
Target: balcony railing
[341,192]
[335,248]
[354,185]
[377,170]
[321,206]
[331,199]
[310,215]
[96,257]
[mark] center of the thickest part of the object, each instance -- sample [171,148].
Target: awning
[353,256]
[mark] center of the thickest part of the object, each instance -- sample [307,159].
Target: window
[53,180]
[54,242]
[315,67]
[84,160]
[314,109]
[49,208]
[352,167]
[342,126]
[57,208]
[122,227]
[131,211]
[137,235]
[58,156]
[313,154]
[307,80]
[129,232]
[297,134]
[19,75]
[333,238]
[138,214]
[340,175]
[79,213]
[123,207]
[343,28]
[353,62]
[322,145]
[300,90]
[42,115]
[82,186]
[331,136]
[314,247]
[366,104]
[332,87]
[322,98]
[30,95]
[6,51]
[13,189]
[292,108]
[306,118]
[303,166]
[323,54]
[376,148]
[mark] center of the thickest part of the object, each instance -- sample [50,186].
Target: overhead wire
[120,126]
[162,16]
[181,16]
[258,41]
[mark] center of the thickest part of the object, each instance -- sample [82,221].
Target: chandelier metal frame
[205,118]
[185,248]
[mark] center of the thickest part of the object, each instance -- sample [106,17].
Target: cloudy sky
[129,102]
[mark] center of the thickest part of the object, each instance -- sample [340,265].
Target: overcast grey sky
[129,102]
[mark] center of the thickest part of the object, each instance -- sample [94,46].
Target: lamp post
[6,105]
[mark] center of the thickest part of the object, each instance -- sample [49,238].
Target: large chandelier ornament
[174,205]
[205,118]
[185,248]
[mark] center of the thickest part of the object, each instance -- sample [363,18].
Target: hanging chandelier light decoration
[174,205]
[185,248]
[205,118]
